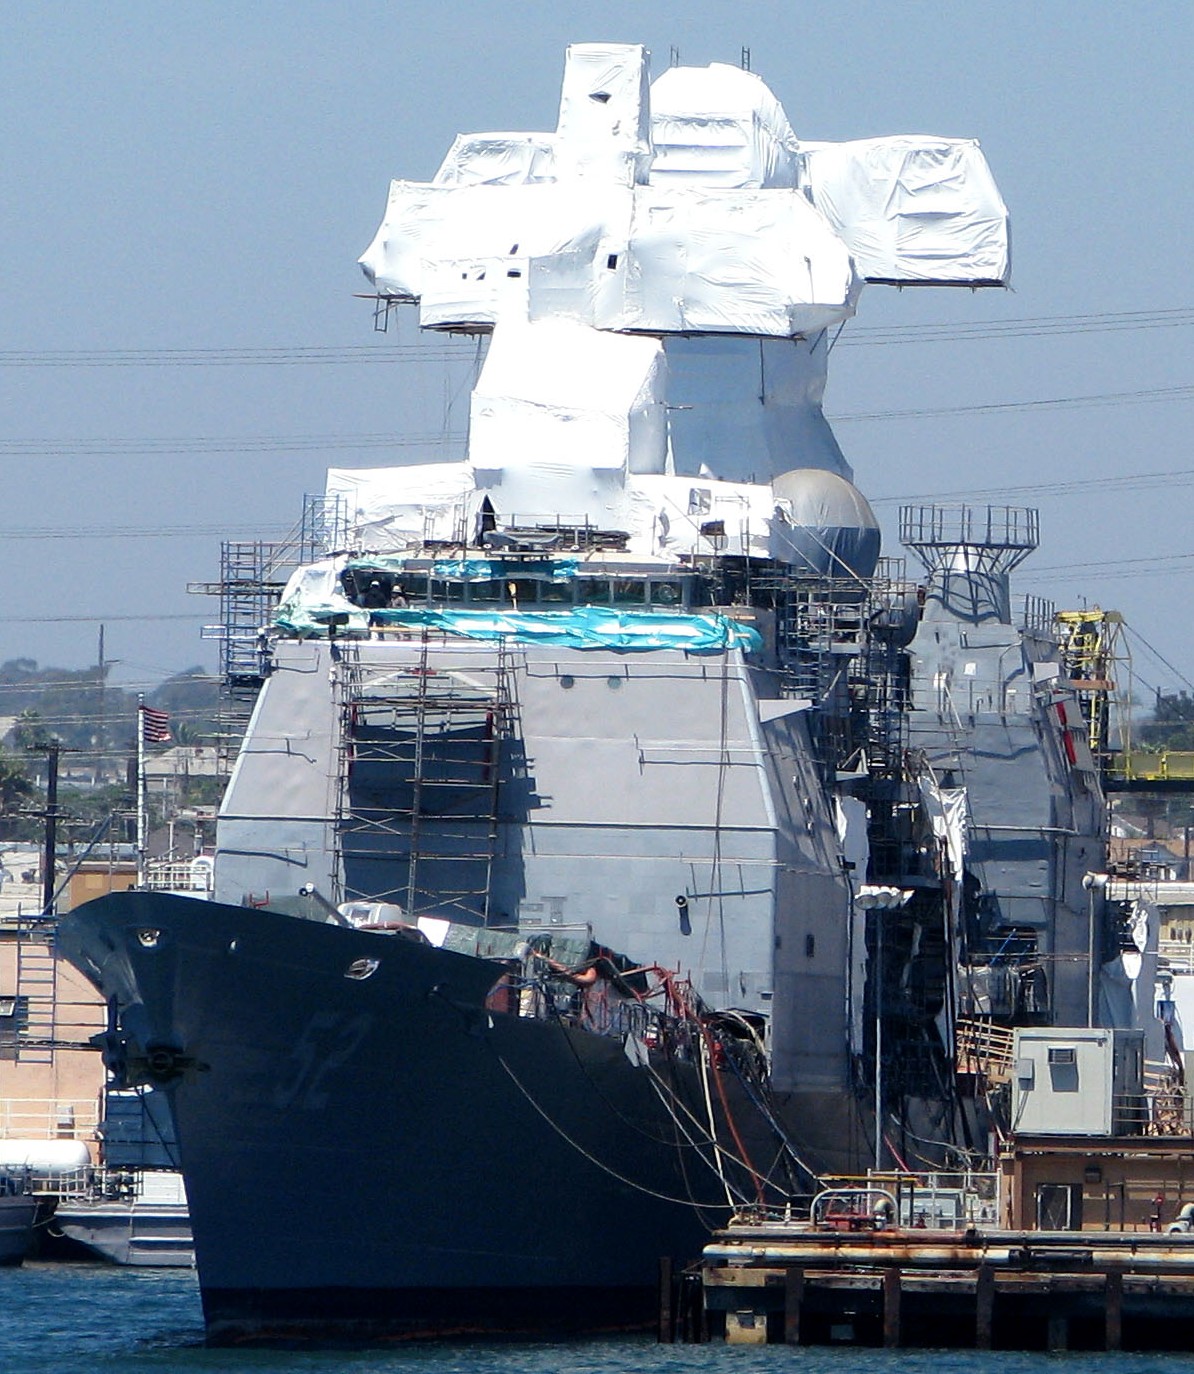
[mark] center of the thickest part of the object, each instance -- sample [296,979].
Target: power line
[464,350]
[30,448]
[266,443]
[94,618]
[76,532]
[238,357]
[1043,326]
[1107,398]
[1158,655]
[1136,481]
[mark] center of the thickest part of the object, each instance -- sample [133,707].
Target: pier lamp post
[880,900]
[1092,882]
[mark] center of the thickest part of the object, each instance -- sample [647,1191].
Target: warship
[617,842]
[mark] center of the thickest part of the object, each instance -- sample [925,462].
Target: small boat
[142,1222]
[18,1210]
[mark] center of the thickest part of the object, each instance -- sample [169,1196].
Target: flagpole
[140,789]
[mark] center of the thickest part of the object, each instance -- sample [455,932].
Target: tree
[17,791]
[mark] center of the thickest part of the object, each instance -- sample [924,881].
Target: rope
[585,1154]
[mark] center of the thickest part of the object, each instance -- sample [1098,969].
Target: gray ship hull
[145,1235]
[382,1155]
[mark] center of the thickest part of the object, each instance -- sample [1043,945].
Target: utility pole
[102,740]
[52,750]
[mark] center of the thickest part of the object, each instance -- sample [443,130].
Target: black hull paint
[338,1314]
[383,1157]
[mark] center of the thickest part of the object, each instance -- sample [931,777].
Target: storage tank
[43,1158]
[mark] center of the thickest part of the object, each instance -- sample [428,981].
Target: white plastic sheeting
[391,509]
[720,126]
[534,226]
[498,159]
[604,128]
[666,515]
[667,259]
[732,262]
[745,410]
[913,208]
[948,811]
[689,212]
[670,516]
[564,413]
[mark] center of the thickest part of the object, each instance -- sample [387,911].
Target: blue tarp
[485,570]
[585,627]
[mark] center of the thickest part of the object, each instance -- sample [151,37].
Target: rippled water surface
[86,1319]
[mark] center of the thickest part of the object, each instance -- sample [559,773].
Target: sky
[187,188]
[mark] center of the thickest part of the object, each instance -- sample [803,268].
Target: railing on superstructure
[422,752]
[180,875]
[1006,534]
[1037,614]
[253,573]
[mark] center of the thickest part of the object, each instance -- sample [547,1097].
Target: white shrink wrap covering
[563,409]
[412,224]
[913,208]
[671,516]
[745,410]
[687,211]
[466,252]
[720,126]
[498,160]
[738,262]
[390,509]
[604,128]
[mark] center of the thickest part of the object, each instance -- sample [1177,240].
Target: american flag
[155,726]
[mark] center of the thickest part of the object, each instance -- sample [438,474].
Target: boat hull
[382,1155]
[145,1235]
[17,1215]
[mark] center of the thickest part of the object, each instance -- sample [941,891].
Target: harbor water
[59,1319]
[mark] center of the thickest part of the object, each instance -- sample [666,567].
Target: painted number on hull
[327,1041]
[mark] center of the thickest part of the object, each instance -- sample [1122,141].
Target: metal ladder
[37,986]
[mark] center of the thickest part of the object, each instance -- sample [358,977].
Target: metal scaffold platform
[422,749]
[253,573]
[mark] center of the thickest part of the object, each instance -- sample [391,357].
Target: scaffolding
[253,573]
[424,748]
[838,647]
[37,984]
[1097,665]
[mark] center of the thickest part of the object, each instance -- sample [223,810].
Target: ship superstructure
[611,810]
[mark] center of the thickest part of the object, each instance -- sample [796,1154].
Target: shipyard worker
[375,596]
[583,977]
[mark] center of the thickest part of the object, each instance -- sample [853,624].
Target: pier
[786,1282]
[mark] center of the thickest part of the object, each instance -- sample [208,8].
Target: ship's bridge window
[524,591]
[486,593]
[447,591]
[667,593]
[555,593]
[593,591]
[629,592]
